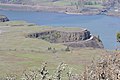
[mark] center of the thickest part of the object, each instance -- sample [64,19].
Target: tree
[118,37]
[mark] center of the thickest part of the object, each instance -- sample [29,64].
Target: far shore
[21,7]
[58,9]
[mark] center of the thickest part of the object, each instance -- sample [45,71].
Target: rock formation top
[73,37]
[3,18]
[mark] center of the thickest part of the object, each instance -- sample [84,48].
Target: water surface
[104,26]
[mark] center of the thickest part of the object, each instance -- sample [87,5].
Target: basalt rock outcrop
[3,18]
[77,38]
[92,42]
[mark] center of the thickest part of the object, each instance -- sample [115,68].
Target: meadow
[18,53]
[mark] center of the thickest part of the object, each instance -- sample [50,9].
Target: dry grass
[105,68]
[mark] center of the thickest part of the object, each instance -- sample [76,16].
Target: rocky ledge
[3,18]
[73,38]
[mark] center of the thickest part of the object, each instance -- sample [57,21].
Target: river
[104,26]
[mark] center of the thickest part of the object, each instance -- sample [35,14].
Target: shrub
[54,50]
[49,48]
[118,37]
[106,68]
[67,49]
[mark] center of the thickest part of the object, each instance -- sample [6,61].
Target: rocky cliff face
[92,42]
[82,38]
[3,18]
[56,36]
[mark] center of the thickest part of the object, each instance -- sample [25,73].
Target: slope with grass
[18,53]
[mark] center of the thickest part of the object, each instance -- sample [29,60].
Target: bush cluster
[106,68]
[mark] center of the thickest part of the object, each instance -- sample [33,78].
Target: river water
[104,26]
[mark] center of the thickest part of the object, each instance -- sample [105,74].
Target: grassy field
[18,53]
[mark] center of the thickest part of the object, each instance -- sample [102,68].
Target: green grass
[18,53]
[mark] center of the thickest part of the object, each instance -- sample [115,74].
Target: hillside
[18,53]
[22,57]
